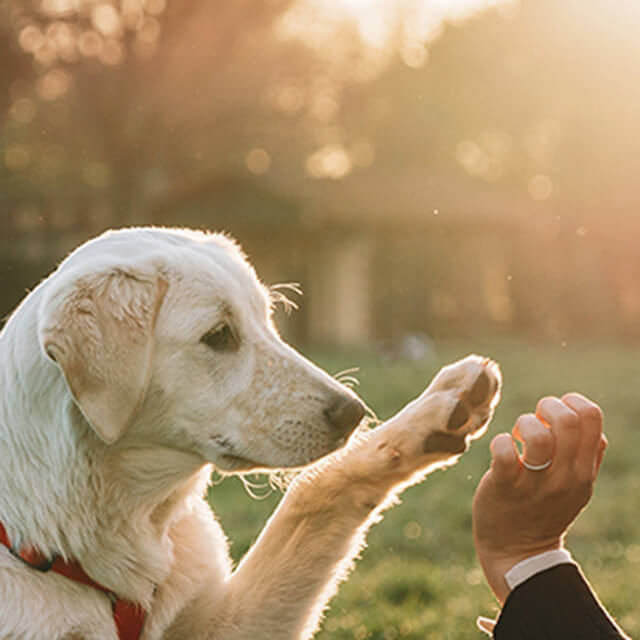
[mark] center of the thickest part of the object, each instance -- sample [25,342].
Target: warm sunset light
[379,22]
[429,178]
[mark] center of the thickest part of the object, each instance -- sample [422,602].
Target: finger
[602,447]
[505,464]
[590,419]
[537,440]
[564,424]
[486,624]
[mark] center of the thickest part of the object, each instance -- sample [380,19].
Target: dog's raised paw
[453,410]
[470,390]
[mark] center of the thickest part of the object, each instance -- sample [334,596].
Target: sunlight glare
[416,23]
[358,5]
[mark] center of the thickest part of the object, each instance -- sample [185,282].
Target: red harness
[129,617]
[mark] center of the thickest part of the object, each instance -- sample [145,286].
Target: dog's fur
[146,358]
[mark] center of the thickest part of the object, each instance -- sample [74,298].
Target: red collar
[128,617]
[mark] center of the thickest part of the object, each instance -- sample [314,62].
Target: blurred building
[442,174]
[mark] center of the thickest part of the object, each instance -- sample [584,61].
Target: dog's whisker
[344,377]
[344,372]
[277,297]
[370,419]
[295,287]
[281,480]
[250,487]
[348,381]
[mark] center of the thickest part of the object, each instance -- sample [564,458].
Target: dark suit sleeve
[556,604]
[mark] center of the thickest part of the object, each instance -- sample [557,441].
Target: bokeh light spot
[414,55]
[258,161]
[540,187]
[331,161]
[106,19]
[412,530]
[23,110]
[31,39]
[155,7]
[60,7]
[90,43]
[54,84]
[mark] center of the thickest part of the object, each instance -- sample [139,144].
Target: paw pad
[445,442]
[475,393]
[480,390]
[459,416]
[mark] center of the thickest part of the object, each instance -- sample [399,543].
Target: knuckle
[500,443]
[539,439]
[564,417]
[503,451]
[523,421]
[553,410]
[584,407]
[568,419]
[545,403]
[574,398]
[592,412]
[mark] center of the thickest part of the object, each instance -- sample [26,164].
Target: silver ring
[536,467]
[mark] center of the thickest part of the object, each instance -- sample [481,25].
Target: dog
[147,358]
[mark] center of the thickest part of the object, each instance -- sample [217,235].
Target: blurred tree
[145,102]
[141,100]
[376,113]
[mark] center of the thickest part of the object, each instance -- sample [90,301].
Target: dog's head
[165,338]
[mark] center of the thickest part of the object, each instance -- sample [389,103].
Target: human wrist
[531,566]
[497,563]
[494,567]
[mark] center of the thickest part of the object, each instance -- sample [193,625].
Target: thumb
[486,624]
[537,440]
[504,458]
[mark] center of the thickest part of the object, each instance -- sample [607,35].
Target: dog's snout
[345,413]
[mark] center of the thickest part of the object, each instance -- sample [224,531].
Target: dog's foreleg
[284,582]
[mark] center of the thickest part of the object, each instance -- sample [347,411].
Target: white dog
[147,357]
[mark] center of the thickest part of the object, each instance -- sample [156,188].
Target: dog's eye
[221,338]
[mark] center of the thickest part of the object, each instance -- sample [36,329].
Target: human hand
[518,513]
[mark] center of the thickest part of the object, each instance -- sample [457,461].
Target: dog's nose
[345,413]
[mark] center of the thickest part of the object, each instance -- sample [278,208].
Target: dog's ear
[100,330]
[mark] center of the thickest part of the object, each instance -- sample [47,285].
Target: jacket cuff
[555,604]
[526,569]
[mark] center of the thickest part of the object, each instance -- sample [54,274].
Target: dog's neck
[110,508]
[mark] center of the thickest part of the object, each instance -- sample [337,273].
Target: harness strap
[128,616]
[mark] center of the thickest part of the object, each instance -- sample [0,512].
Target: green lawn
[418,578]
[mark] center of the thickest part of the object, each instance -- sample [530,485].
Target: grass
[418,578]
